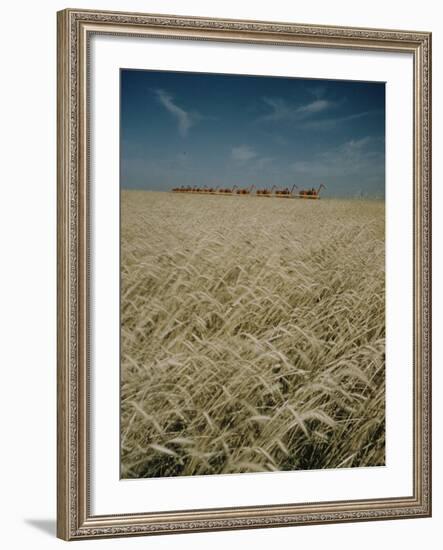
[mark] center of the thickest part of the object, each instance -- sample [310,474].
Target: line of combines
[284,193]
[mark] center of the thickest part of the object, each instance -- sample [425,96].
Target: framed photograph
[243,274]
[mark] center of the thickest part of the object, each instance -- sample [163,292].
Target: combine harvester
[265,192]
[285,193]
[245,191]
[227,191]
[310,193]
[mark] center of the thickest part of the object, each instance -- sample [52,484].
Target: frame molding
[74,520]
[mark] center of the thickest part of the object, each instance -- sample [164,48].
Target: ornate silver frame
[74,519]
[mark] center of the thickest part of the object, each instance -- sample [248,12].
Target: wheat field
[252,334]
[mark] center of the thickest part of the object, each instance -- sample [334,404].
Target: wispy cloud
[316,106]
[317,91]
[185,119]
[361,158]
[264,162]
[332,122]
[357,144]
[282,110]
[243,153]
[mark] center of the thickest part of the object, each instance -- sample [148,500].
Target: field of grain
[253,334]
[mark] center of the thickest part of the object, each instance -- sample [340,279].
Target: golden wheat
[253,334]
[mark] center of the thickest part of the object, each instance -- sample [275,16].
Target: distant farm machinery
[273,192]
[265,192]
[311,193]
[286,192]
[245,191]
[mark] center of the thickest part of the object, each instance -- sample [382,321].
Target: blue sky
[209,129]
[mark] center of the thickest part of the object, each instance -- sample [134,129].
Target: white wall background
[28,272]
